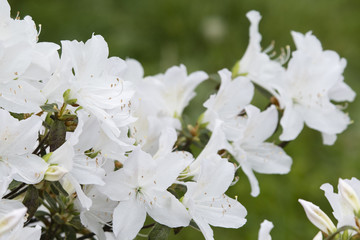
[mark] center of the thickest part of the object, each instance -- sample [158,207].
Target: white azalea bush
[91,147]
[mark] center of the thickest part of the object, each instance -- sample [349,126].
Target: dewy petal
[128,219]
[265,228]
[167,210]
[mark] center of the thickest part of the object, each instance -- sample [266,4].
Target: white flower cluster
[112,139]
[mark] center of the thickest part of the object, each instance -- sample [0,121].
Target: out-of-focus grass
[211,35]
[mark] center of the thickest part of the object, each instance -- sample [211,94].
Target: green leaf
[70,233]
[52,107]
[14,184]
[58,219]
[31,201]
[51,201]
[57,135]
[159,232]
[194,225]
[60,188]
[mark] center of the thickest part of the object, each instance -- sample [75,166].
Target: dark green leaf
[70,233]
[41,214]
[14,184]
[194,225]
[31,201]
[60,188]
[50,201]
[159,232]
[57,135]
[58,219]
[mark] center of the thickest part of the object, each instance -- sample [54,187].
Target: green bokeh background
[210,35]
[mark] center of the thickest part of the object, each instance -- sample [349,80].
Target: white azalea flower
[17,141]
[95,82]
[265,228]
[100,212]
[216,142]
[78,167]
[25,64]
[141,186]
[309,84]
[205,199]
[159,100]
[252,153]
[227,104]
[255,63]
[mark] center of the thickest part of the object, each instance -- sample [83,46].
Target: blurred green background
[210,35]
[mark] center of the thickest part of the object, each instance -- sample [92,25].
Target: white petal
[261,125]
[28,168]
[205,228]
[128,219]
[268,158]
[167,210]
[292,123]
[264,232]
[222,212]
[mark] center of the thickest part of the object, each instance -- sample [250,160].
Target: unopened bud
[54,173]
[349,195]
[318,236]
[318,217]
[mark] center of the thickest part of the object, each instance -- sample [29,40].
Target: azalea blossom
[17,141]
[228,103]
[25,63]
[252,153]
[87,76]
[141,185]
[256,64]
[206,201]
[310,83]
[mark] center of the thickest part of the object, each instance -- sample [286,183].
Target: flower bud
[349,195]
[318,236]
[54,173]
[318,217]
